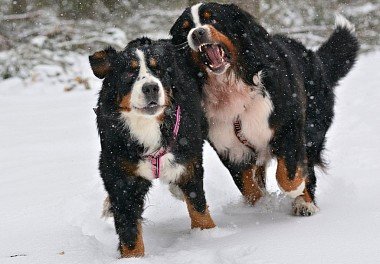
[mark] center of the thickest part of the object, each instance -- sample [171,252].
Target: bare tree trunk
[18,6]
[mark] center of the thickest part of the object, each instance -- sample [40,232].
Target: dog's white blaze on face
[197,22]
[170,171]
[145,76]
[224,101]
[144,128]
[195,14]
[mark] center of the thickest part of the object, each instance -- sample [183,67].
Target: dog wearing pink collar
[151,126]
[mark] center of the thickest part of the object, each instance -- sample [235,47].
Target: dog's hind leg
[301,187]
[253,183]
[305,205]
[250,180]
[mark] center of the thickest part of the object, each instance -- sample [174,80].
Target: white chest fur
[224,101]
[146,130]
[170,171]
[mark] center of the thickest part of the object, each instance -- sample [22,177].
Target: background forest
[35,34]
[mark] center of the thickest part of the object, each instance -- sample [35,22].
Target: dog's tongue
[214,55]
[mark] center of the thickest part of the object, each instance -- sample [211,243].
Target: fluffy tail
[338,54]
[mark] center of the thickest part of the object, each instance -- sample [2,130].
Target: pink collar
[155,158]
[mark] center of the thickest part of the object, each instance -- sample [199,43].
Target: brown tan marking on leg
[289,186]
[199,220]
[303,204]
[251,188]
[306,196]
[138,250]
[260,176]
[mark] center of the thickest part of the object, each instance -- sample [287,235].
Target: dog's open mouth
[150,109]
[215,56]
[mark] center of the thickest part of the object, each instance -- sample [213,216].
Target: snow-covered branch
[23,16]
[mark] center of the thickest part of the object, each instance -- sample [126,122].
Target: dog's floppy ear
[101,62]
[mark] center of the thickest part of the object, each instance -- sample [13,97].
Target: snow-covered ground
[51,194]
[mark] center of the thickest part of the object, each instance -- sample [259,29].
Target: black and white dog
[151,125]
[265,96]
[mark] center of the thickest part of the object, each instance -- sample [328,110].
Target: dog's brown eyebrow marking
[207,14]
[134,64]
[153,62]
[186,24]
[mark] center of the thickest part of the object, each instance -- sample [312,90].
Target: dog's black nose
[198,33]
[150,89]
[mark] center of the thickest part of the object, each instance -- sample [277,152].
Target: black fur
[120,152]
[299,81]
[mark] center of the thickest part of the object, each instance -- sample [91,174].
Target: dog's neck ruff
[155,157]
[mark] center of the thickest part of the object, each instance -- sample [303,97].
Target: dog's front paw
[303,208]
[137,252]
[134,251]
[202,221]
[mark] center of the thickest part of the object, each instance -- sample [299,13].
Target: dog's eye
[134,64]
[186,24]
[153,63]
[130,76]
[207,14]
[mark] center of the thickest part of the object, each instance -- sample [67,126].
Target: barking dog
[151,125]
[265,96]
